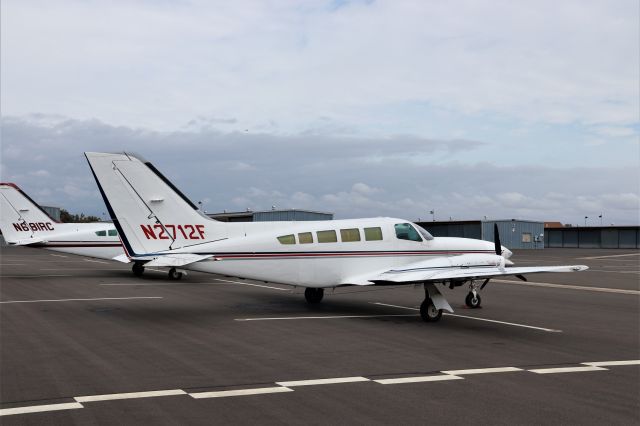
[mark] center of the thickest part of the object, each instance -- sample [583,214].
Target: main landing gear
[313,295]
[429,312]
[137,269]
[174,274]
[434,303]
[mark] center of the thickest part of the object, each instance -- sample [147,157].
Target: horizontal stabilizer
[175,260]
[122,258]
[26,241]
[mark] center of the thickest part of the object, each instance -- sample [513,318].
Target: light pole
[585,221]
[600,219]
[433,215]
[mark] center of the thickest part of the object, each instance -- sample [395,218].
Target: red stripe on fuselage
[236,256]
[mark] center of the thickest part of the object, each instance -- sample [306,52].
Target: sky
[479,108]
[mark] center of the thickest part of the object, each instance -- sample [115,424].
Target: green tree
[67,217]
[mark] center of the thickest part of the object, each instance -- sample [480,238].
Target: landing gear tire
[174,274]
[473,300]
[313,295]
[137,269]
[429,312]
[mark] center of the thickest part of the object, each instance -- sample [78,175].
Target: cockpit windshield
[425,234]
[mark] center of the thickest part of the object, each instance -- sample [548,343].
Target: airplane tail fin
[22,220]
[150,213]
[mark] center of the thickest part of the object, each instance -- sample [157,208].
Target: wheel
[473,301]
[313,295]
[429,312]
[174,274]
[137,269]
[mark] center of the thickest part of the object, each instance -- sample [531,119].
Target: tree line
[67,217]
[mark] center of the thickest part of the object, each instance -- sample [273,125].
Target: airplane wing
[415,273]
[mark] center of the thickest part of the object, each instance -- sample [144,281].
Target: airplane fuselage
[324,253]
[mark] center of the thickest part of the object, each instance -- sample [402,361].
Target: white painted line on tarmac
[566,370]
[251,284]
[614,272]
[323,381]
[95,261]
[570,287]
[549,330]
[482,371]
[58,255]
[130,395]
[240,392]
[36,276]
[149,284]
[612,363]
[435,378]
[12,264]
[613,255]
[40,408]
[79,269]
[321,317]
[157,270]
[81,300]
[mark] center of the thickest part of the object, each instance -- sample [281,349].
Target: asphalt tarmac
[85,342]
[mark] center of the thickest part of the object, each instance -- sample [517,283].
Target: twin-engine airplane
[24,223]
[159,226]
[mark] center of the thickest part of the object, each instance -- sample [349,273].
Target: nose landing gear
[473,298]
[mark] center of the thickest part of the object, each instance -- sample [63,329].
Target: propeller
[496,239]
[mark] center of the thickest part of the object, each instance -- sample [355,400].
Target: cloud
[328,173]
[357,68]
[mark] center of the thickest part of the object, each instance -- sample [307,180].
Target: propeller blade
[522,277]
[496,238]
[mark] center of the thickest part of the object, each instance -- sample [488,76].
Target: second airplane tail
[150,213]
[22,220]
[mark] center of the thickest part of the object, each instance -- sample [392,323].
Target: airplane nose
[506,253]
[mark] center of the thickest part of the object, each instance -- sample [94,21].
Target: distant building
[514,233]
[553,225]
[54,212]
[624,237]
[271,216]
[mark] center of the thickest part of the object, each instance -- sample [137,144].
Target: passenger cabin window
[404,231]
[101,233]
[327,236]
[349,235]
[373,234]
[287,239]
[113,233]
[305,238]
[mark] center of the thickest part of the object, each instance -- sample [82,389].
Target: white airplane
[24,223]
[161,227]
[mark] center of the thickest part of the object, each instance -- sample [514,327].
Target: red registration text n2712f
[166,232]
